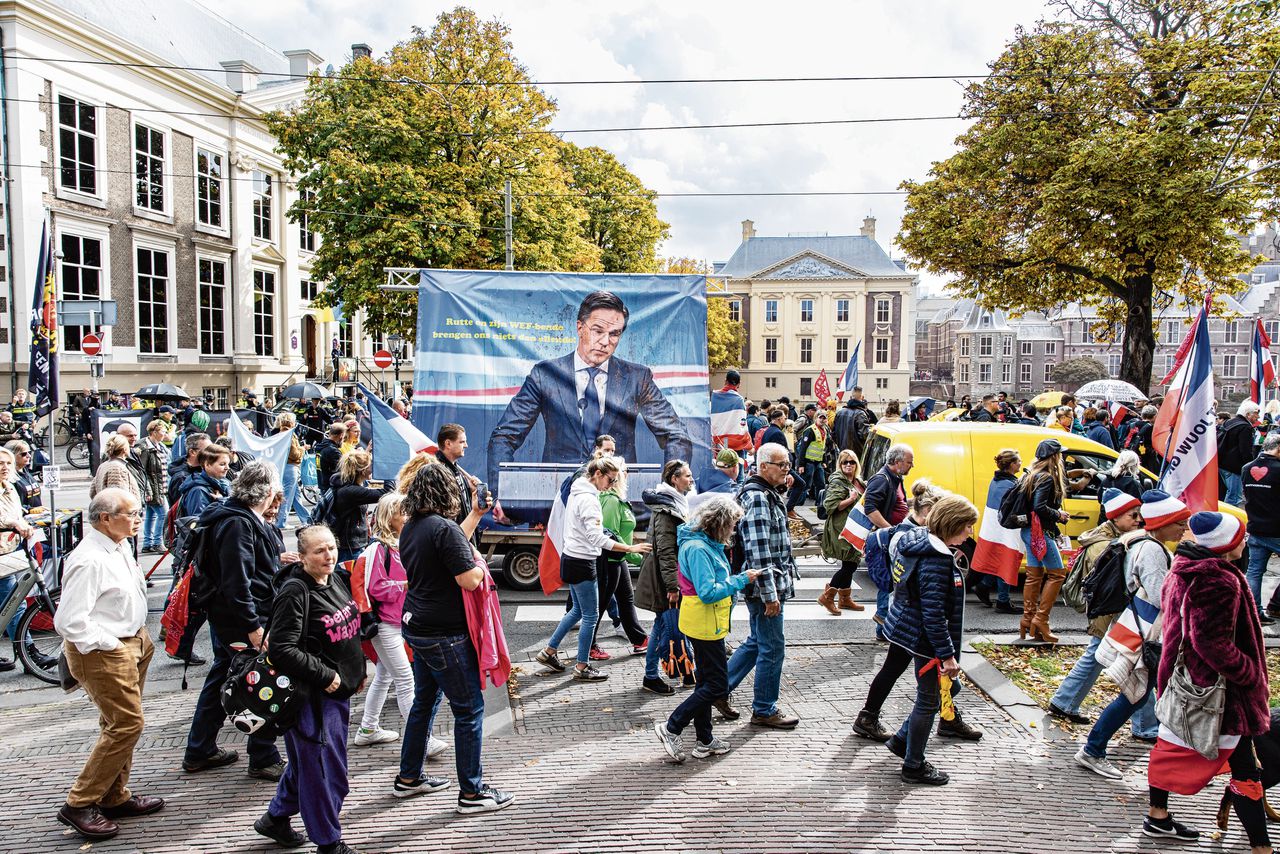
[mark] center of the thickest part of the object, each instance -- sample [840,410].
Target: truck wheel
[520,566]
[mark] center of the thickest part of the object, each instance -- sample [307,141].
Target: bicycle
[77,453]
[37,644]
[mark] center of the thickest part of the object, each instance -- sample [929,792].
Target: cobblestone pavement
[589,776]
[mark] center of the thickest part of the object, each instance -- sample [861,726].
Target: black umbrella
[916,402]
[305,391]
[161,391]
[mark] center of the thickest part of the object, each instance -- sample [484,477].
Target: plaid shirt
[766,543]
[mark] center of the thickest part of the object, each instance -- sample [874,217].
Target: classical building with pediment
[808,301]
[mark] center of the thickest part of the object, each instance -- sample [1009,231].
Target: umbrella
[161,391]
[305,391]
[947,414]
[916,402]
[1111,390]
[1047,399]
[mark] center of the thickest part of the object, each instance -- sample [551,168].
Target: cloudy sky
[635,40]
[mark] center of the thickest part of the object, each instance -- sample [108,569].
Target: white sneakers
[1098,765]
[436,746]
[365,737]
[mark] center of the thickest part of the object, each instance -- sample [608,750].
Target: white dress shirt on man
[104,594]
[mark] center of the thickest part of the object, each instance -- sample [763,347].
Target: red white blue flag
[1262,371]
[857,527]
[1184,431]
[553,541]
[395,439]
[999,550]
[729,420]
[849,378]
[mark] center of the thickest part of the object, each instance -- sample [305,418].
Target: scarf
[681,500]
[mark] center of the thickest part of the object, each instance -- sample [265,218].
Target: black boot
[958,727]
[868,725]
[44,662]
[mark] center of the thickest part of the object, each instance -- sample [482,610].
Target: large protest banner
[535,366]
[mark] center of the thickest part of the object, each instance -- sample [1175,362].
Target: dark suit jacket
[550,392]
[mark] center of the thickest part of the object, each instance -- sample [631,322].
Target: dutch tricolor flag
[395,439]
[553,541]
[999,550]
[857,527]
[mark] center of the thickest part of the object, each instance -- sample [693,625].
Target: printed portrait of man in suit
[588,393]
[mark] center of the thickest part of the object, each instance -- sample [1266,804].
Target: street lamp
[395,341]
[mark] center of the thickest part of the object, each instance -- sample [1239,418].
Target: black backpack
[258,698]
[1106,588]
[737,551]
[1015,508]
[322,512]
[821,509]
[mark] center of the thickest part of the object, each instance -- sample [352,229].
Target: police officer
[23,409]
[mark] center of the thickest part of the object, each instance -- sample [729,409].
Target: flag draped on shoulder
[395,439]
[1185,428]
[999,550]
[857,527]
[553,541]
[1262,371]
[849,378]
[729,420]
[43,372]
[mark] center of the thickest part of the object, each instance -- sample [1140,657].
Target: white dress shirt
[580,377]
[104,594]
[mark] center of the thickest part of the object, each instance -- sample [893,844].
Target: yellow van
[959,456]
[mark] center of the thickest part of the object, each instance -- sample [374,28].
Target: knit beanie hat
[1116,503]
[1217,532]
[1159,508]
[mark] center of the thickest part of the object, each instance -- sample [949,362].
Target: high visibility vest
[817,445]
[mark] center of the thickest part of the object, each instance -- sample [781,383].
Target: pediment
[809,265]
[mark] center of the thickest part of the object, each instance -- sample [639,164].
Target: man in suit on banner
[588,393]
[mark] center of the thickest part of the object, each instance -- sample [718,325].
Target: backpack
[1106,588]
[877,558]
[821,509]
[193,590]
[1130,440]
[1015,508]
[258,698]
[322,512]
[1073,586]
[737,551]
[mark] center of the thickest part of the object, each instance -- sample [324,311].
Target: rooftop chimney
[869,227]
[361,50]
[303,62]
[242,76]
[748,229]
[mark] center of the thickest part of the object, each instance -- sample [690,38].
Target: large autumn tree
[401,162]
[1088,173]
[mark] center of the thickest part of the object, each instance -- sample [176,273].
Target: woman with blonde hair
[115,471]
[404,477]
[351,493]
[291,477]
[843,491]
[1044,488]
[352,440]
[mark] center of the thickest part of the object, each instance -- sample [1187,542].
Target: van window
[874,456]
[1084,472]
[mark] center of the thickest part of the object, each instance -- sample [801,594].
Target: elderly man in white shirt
[102,618]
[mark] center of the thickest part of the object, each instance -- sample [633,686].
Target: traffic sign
[91,345]
[383,359]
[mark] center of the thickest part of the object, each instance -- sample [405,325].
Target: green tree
[1073,373]
[403,160]
[1088,172]
[622,214]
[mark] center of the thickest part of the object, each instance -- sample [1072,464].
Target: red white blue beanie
[1116,503]
[1159,508]
[1217,532]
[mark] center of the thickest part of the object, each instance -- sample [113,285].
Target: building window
[770,382]
[735,311]
[842,311]
[1113,364]
[1172,331]
[1169,362]
[309,289]
[842,351]
[771,311]
[806,386]
[77,146]
[344,338]
[882,351]
[217,395]
[1272,328]
[984,345]
[806,351]
[806,311]
[81,279]
[306,237]
[1024,347]
[153,300]
[1051,348]
[964,372]
[882,382]
[984,373]
[212,282]
[1006,373]
[964,346]
[264,313]
[262,193]
[884,310]
[1024,373]
[1229,365]
[1048,373]
[1231,333]
[771,350]
[209,186]
[1007,346]
[148,168]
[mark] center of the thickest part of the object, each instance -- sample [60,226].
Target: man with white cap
[1123,513]
[1146,566]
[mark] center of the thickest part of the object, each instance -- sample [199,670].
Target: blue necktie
[591,414]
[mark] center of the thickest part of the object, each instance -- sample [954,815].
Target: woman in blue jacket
[925,619]
[707,590]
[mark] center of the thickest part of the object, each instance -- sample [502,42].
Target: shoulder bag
[1192,713]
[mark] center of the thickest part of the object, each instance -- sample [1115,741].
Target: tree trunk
[1139,337]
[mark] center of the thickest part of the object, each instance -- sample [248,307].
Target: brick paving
[590,777]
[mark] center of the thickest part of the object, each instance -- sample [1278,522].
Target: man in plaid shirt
[767,546]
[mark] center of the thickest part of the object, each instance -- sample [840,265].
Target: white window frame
[876,359]
[964,372]
[842,352]
[101,174]
[842,310]
[1272,328]
[171,249]
[1006,345]
[806,308]
[1006,373]
[274,183]
[275,310]
[1024,347]
[87,231]
[165,214]
[964,346]
[1230,364]
[1024,372]
[986,346]
[1113,364]
[1051,348]
[884,305]
[771,305]
[774,341]
[304,219]
[1048,372]
[223,230]
[984,373]
[806,358]
[1172,331]
[1230,332]
[735,310]
[225,261]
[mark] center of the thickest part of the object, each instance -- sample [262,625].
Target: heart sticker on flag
[1258,472]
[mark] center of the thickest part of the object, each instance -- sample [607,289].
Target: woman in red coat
[1209,617]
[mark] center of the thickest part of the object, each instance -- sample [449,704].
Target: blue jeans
[153,525]
[1111,719]
[915,730]
[1052,557]
[1260,551]
[1071,693]
[764,650]
[292,484]
[1235,488]
[883,598]
[7,584]
[817,477]
[448,665]
[586,607]
[665,632]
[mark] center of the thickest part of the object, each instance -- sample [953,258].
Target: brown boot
[1030,598]
[1048,595]
[827,599]
[846,600]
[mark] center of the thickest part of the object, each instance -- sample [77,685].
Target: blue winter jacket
[199,491]
[1100,433]
[927,612]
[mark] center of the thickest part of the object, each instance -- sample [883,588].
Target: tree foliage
[1074,373]
[403,160]
[1087,174]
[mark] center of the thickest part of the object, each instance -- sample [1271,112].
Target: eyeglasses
[848,463]
[783,466]
[133,514]
[23,453]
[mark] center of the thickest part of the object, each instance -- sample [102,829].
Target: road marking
[805,611]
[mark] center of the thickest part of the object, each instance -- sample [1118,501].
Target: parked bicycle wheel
[44,645]
[310,495]
[78,454]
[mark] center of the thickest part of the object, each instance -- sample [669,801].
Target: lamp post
[395,341]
